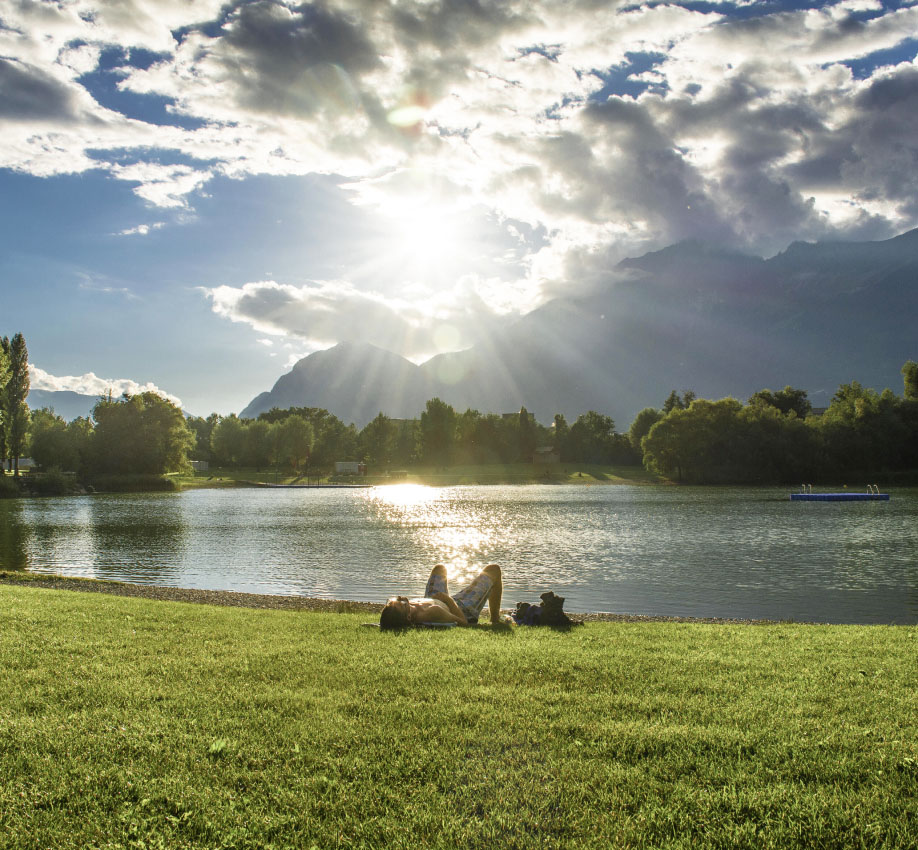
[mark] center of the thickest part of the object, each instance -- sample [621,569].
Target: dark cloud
[295,61]
[320,313]
[28,94]
[645,177]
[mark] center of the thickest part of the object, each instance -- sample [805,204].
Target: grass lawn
[491,473]
[131,723]
[527,473]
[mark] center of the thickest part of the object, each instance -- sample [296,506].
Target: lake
[675,551]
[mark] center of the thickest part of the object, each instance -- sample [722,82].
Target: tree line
[775,437]
[441,437]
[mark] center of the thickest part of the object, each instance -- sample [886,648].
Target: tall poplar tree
[4,379]
[17,389]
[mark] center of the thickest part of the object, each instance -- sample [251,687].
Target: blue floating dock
[839,497]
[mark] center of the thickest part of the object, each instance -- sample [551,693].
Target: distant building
[350,467]
[200,465]
[546,455]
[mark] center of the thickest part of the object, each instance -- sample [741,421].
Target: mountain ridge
[691,315]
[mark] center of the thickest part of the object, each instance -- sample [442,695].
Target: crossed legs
[438,582]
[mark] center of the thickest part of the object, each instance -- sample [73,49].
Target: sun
[426,235]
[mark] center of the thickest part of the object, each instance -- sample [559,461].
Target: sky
[194,195]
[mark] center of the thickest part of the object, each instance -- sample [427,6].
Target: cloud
[751,130]
[91,384]
[141,229]
[324,313]
[28,93]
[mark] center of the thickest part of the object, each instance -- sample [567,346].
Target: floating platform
[839,497]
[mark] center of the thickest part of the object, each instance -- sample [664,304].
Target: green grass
[130,723]
[492,473]
[527,473]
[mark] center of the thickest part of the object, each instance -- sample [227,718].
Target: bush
[52,483]
[9,488]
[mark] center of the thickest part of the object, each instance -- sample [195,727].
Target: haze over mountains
[66,404]
[689,316]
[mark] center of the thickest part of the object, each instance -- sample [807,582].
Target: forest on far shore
[774,437]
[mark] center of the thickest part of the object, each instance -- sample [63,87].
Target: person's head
[396,614]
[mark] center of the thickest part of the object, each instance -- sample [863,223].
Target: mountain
[68,405]
[352,380]
[689,316]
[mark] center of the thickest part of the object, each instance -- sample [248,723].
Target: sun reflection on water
[450,528]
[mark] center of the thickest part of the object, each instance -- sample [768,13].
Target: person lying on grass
[437,606]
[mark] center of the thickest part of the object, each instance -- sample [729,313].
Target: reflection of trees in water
[147,534]
[13,536]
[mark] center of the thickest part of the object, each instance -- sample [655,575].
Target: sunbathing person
[437,606]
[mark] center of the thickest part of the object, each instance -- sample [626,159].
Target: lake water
[685,551]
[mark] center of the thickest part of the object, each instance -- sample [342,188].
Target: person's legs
[438,582]
[497,590]
[485,586]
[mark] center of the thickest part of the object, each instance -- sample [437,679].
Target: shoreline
[277,602]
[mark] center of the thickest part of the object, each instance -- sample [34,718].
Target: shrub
[9,488]
[52,483]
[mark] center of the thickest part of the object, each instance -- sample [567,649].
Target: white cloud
[92,384]
[141,229]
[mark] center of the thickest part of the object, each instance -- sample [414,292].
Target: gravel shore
[290,603]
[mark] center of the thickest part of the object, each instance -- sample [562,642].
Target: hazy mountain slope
[352,380]
[689,316]
[68,405]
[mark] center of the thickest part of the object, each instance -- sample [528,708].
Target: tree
[378,441]
[437,432]
[864,431]
[79,437]
[203,431]
[17,389]
[910,378]
[406,442]
[144,434]
[673,402]
[592,438]
[560,433]
[468,443]
[786,400]
[228,441]
[4,379]
[528,435]
[259,444]
[294,438]
[643,422]
[48,441]
[701,443]
[332,439]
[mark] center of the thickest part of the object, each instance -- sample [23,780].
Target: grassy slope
[125,722]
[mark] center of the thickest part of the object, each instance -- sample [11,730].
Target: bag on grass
[549,613]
